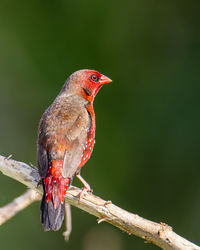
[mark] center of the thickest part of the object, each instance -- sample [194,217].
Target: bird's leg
[86,188]
[86,185]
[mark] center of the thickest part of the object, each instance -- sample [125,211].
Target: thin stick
[68,219]
[18,204]
[159,234]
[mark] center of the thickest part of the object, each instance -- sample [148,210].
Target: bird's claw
[84,191]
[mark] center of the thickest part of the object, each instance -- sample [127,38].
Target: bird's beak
[104,80]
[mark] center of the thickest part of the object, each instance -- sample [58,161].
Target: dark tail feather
[51,217]
[52,206]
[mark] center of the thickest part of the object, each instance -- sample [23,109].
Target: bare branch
[68,219]
[159,234]
[18,204]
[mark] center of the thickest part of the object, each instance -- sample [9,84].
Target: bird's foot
[84,191]
[87,188]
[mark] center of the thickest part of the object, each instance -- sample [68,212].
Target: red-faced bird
[65,141]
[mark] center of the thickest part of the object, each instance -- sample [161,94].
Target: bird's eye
[94,78]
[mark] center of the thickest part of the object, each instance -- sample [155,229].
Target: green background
[146,157]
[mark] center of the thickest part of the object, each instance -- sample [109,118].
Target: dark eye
[94,78]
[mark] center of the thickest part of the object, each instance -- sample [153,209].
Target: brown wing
[77,137]
[62,135]
[42,161]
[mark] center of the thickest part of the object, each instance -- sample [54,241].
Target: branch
[68,220]
[18,204]
[159,234]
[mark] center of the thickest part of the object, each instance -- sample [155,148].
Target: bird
[66,137]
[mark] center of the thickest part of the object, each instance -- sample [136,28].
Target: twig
[159,234]
[68,218]
[18,204]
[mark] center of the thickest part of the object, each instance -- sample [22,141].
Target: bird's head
[86,83]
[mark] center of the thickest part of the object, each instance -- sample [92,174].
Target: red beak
[104,80]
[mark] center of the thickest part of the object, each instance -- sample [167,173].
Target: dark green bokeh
[146,156]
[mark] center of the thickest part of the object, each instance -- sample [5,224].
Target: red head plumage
[85,82]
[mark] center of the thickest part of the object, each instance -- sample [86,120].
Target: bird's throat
[90,93]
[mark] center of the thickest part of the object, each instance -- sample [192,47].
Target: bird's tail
[52,206]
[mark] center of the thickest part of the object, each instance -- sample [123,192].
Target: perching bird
[65,141]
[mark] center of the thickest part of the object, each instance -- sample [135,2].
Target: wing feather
[42,161]
[62,135]
[78,138]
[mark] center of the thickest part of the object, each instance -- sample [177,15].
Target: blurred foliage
[146,156]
